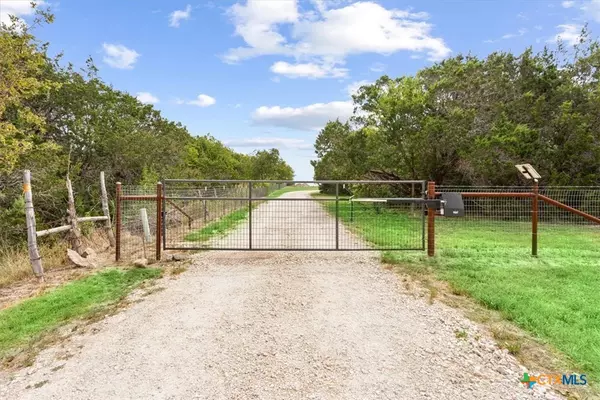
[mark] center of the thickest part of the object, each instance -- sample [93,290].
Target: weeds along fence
[145,214]
[566,218]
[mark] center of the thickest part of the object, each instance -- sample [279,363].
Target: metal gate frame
[425,202]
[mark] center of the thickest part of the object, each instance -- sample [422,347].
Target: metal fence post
[337,216]
[118,222]
[430,221]
[250,215]
[534,218]
[159,221]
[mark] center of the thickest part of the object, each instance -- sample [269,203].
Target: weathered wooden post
[75,234]
[145,225]
[34,253]
[106,210]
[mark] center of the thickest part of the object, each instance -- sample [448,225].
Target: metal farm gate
[293,215]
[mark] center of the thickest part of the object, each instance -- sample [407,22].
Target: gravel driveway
[278,325]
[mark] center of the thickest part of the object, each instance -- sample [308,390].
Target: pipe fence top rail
[286,181]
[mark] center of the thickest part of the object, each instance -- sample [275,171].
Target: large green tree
[467,120]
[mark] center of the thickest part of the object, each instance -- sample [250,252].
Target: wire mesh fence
[138,221]
[353,215]
[242,215]
[492,221]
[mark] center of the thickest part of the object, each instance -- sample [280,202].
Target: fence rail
[189,214]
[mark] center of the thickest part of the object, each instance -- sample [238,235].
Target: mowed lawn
[555,296]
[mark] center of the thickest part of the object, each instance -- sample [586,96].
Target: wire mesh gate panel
[293,215]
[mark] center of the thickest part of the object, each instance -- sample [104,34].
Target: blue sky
[270,73]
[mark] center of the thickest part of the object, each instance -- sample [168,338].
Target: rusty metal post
[534,218]
[430,221]
[118,222]
[250,215]
[337,216]
[159,221]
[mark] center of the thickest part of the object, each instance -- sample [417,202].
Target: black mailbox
[453,206]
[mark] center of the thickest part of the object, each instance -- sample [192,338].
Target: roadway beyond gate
[240,215]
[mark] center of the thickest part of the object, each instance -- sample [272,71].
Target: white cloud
[538,27]
[378,67]
[18,8]
[568,4]
[570,34]
[262,142]
[119,56]
[311,117]
[352,88]
[592,9]
[177,16]
[326,36]
[147,98]
[309,70]
[203,100]
[519,33]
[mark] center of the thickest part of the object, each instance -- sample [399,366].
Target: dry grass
[15,265]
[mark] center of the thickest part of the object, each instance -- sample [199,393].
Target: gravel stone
[278,325]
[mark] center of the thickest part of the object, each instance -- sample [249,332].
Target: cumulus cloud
[203,100]
[569,34]
[147,98]
[352,88]
[308,70]
[568,4]
[324,37]
[119,56]
[177,16]
[311,117]
[18,8]
[270,142]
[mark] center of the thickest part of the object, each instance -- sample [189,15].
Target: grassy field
[228,222]
[29,320]
[556,296]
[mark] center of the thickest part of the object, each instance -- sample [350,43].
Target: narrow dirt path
[278,325]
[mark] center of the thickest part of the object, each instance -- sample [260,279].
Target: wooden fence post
[118,223]
[75,232]
[106,210]
[34,253]
[159,221]
[431,221]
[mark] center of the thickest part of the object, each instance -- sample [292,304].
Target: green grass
[287,189]
[218,227]
[29,320]
[556,296]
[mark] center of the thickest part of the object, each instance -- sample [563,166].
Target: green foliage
[468,121]
[55,120]
[29,319]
